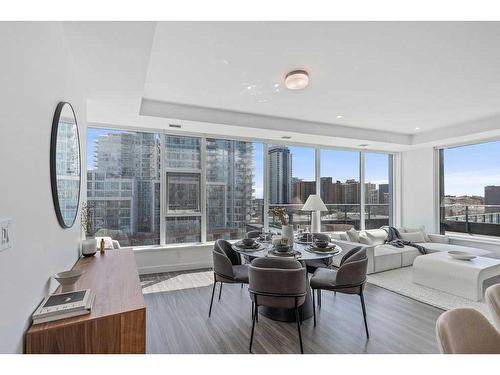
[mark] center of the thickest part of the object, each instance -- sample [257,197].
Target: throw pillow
[377,237]
[353,235]
[364,239]
[415,237]
[343,236]
[421,229]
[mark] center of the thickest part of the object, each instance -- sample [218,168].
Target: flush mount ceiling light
[297,80]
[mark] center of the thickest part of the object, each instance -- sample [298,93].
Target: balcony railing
[339,217]
[472,219]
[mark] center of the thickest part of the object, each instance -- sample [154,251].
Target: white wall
[418,189]
[36,72]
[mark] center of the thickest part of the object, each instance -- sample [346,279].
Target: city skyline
[339,164]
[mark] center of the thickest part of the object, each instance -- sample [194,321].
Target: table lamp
[315,205]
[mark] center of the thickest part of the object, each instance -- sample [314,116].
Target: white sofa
[384,257]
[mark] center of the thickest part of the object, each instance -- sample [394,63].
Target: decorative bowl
[321,244]
[67,279]
[461,255]
[282,248]
[248,241]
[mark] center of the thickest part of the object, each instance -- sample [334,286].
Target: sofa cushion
[344,236]
[353,235]
[386,257]
[433,247]
[339,236]
[408,255]
[413,236]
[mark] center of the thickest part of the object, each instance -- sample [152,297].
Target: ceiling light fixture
[174,126]
[363,145]
[286,137]
[297,80]
[340,116]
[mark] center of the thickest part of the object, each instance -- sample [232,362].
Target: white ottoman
[463,278]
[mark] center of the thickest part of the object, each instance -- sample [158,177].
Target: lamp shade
[314,203]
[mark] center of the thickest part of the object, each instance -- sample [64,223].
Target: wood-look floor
[177,321]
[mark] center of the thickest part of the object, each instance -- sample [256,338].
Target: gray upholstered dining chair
[350,278]
[492,298]
[466,331]
[251,234]
[227,268]
[313,264]
[277,282]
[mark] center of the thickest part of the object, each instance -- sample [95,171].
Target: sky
[468,169]
[340,165]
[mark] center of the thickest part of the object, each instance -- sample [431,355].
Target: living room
[281,186]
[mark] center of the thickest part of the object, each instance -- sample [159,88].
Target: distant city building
[302,190]
[280,175]
[124,186]
[351,192]
[492,197]
[383,193]
[230,173]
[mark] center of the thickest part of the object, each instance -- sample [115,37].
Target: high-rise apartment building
[124,186]
[302,190]
[280,175]
[230,173]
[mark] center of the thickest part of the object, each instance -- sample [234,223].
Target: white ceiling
[385,78]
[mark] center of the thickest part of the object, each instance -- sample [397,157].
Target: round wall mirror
[65,173]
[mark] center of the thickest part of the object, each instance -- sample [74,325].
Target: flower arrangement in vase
[286,228]
[89,245]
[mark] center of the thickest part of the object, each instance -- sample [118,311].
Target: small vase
[89,247]
[287,233]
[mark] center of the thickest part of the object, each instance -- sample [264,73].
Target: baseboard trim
[173,267]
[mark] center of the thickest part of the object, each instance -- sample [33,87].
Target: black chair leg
[314,306]
[220,290]
[241,286]
[253,327]
[319,298]
[212,299]
[298,328]
[364,313]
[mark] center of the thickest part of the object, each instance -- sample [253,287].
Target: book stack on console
[64,305]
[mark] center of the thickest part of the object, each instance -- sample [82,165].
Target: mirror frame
[53,176]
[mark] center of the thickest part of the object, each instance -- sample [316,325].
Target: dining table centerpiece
[286,227]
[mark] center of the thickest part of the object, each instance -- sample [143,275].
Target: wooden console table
[117,323]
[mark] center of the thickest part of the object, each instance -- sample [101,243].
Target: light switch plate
[5,234]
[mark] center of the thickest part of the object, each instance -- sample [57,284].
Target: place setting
[283,249]
[249,245]
[322,247]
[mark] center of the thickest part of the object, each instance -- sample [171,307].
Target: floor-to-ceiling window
[183,189]
[123,185]
[470,189]
[234,206]
[149,189]
[340,189]
[378,189]
[292,178]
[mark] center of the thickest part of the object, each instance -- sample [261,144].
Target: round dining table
[302,253]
